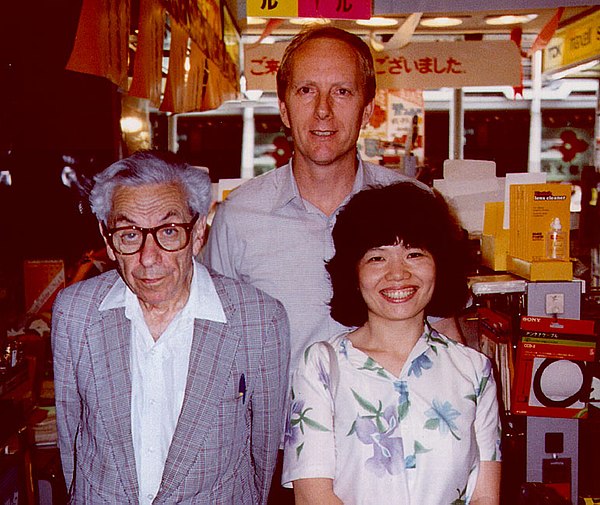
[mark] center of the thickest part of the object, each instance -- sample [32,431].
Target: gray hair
[151,167]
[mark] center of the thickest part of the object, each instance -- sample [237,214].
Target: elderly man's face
[159,278]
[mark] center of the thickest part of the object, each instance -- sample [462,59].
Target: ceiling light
[378,22]
[441,22]
[510,20]
[131,124]
[309,21]
[255,21]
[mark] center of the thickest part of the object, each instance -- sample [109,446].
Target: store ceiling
[473,20]
[473,24]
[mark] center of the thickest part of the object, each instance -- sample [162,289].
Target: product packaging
[554,367]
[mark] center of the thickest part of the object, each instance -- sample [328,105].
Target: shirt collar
[203,302]
[288,188]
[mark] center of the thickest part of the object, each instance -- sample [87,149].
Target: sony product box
[554,367]
[540,220]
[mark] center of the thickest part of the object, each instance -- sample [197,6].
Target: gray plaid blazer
[223,450]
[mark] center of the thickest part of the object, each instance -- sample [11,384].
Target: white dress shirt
[159,373]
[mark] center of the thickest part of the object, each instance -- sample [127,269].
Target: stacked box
[494,240]
[539,231]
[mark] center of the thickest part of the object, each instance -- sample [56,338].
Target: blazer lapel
[110,343]
[213,351]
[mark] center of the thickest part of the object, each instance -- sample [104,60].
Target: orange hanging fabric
[147,69]
[102,39]
[173,100]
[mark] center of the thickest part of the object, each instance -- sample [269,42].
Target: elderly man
[170,380]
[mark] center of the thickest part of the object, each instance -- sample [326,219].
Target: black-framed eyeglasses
[170,237]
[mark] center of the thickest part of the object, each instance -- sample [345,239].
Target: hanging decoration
[147,69]
[102,39]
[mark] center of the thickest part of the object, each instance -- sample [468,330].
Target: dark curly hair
[381,216]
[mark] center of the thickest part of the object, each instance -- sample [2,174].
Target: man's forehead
[163,198]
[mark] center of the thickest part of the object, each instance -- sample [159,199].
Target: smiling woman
[378,218]
[380,408]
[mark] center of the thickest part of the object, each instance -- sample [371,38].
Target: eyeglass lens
[170,237]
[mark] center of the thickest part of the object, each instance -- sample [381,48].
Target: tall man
[170,380]
[275,230]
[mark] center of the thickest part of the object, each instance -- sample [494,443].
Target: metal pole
[456,126]
[535,125]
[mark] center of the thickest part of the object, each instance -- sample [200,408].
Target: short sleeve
[309,443]
[487,418]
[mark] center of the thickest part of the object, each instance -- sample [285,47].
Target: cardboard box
[540,270]
[43,279]
[554,367]
[534,208]
[494,331]
[467,186]
[494,250]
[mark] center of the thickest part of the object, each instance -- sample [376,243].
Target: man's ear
[367,111]
[109,251]
[198,235]
[284,114]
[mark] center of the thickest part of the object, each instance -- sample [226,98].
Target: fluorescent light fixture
[377,22]
[510,19]
[255,21]
[309,21]
[440,22]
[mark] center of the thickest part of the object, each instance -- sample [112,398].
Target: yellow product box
[539,221]
[494,250]
[493,217]
[494,240]
[550,270]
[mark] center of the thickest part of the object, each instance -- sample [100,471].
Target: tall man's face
[160,279]
[324,104]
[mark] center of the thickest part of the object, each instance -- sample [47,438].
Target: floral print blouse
[414,439]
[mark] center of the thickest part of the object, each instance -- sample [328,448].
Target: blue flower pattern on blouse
[377,424]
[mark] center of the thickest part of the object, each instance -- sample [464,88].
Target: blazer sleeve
[68,405]
[269,400]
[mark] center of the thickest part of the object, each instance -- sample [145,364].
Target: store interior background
[52,118]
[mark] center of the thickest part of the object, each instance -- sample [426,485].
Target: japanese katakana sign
[420,65]
[336,9]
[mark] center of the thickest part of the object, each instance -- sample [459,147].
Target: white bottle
[556,241]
